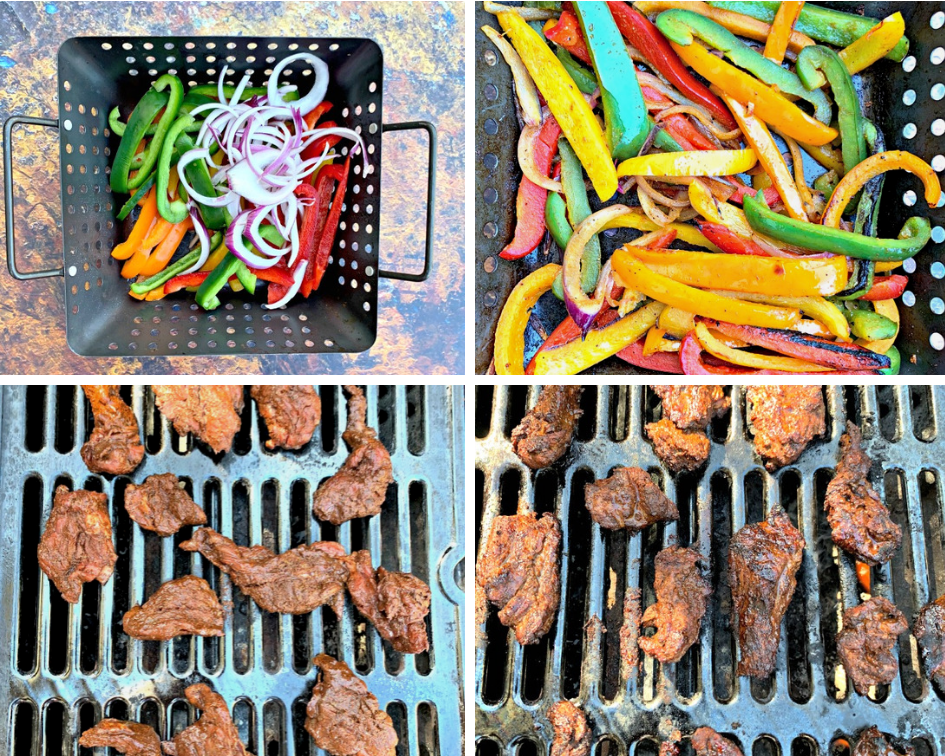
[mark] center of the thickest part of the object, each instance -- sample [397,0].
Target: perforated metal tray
[98,73]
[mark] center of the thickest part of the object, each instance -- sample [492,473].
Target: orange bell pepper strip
[140,231]
[162,255]
[509,355]
[876,44]
[781,28]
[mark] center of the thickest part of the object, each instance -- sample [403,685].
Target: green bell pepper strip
[625,114]
[664,139]
[870,325]
[246,277]
[825,183]
[175,211]
[575,193]
[823,24]
[895,361]
[199,178]
[556,218]
[683,26]
[583,78]
[156,144]
[144,113]
[190,102]
[211,90]
[172,270]
[136,197]
[207,293]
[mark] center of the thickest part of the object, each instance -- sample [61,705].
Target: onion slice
[526,160]
[524,86]
[204,235]
[297,279]
[237,245]
[317,93]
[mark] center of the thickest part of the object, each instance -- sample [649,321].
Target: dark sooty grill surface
[806,695]
[67,667]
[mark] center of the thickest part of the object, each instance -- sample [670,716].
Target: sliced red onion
[297,277]
[204,235]
[256,217]
[319,87]
[186,159]
[240,87]
[237,245]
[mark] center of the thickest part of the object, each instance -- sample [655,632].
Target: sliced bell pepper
[147,109]
[818,308]
[781,28]
[137,198]
[771,194]
[175,211]
[888,309]
[684,132]
[185,281]
[327,239]
[277,274]
[213,284]
[699,163]
[156,145]
[659,362]
[215,258]
[313,222]
[509,354]
[316,148]
[826,155]
[583,78]
[886,287]
[895,361]
[575,193]
[556,219]
[652,342]
[749,359]
[728,241]
[161,256]
[568,331]
[877,43]
[870,325]
[676,322]
[313,116]
[174,269]
[146,219]
[214,218]
[566,33]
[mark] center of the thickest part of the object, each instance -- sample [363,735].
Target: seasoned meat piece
[343,717]
[572,735]
[866,642]
[214,734]
[161,504]
[858,519]
[874,743]
[681,593]
[784,419]
[211,413]
[763,561]
[76,546]
[291,414]
[628,499]
[129,738]
[692,407]
[630,630]
[545,432]
[396,602]
[294,582]
[669,748]
[114,447]
[929,630]
[359,487]
[707,742]
[518,572]
[680,451]
[186,606]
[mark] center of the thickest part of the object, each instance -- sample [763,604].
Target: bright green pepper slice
[176,96]
[870,325]
[556,218]
[214,283]
[172,270]
[199,178]
[172,211]
[136,197]
[144,113]
[211,90]
[895,361]
[575,192]
[582,77]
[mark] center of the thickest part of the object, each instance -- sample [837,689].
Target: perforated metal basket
[903,99]
[98,73]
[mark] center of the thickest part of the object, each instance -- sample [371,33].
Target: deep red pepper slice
[567,33]
[275,292]
[568,331]
[308,233]
[327,238]
[277,274]
[658,362]
[188,279]
[887,287]
[316,148]
[315,114]
[728,241]
[771,195]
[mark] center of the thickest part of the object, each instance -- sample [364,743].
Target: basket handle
[431,191]
[8,195]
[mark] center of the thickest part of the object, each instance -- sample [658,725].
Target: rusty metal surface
[420,326]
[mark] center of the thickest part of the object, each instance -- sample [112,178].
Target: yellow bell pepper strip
[216,257]
[140,230]
[566,103]
[751,359]
[162,255]
[653,341]
[885,267]
[636,275]
[597,345]
[826,155]
[876,44]
[525,88]
[781,28]
[812,205]
[509,355]
[760,140]
[698,163]
[887,308]
[676,322]
[770,106]
[873,166]
[818,308]
[638,221]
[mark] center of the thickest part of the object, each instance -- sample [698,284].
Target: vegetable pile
[251,171]
[691,122]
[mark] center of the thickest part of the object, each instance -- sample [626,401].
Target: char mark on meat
[291,414]
[114,447]
[572,736]
[161,504]
[707,742]
[628,499]
[545,432]
[872,742]
[784,419]
[866,642]
[692,407]
[679,450]
[211,413]
[129,738]
[929,631]
[186,606]
[214,734]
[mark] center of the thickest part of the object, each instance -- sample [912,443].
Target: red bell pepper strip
[308,233]
[887,287]
[530,203]
[188,279]
[728,241]
[567,33]
[276,292]
[277,274]
[684,131]
[568,331]
[316,148]
[327,239]
[315,114]
[658,362]
[770,194]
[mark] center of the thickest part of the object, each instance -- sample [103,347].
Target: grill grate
[806,706]
[69,666]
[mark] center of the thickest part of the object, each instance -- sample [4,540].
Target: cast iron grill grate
[68,666]
[806,705]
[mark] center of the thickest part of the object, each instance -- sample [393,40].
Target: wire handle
[431,192]
[8,195]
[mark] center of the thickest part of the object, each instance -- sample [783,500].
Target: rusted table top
[421,326]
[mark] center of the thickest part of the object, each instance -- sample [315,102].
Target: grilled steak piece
[628,499]
[161,504]
[681,593]
[359,487]
[784,419]
[343,716]
[763,561]
[76,546]
[692,407]
[211,413]
[545,432]
[186,606]
[294,582]
[518,572]
[860,523]
[707,742]
[114,447]
[214,734]
[630,630]
[866,641]
[291,414]
[679,450]
[129,738]
[929,630]
[396,602]
[572,735]
[874,743]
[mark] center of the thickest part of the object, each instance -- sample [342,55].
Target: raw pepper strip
[185,281]
[886,287]
[175,268]
[327,239]
[173,210]
[877,43]
[144,113]
[745,358]
[699,163]
[161,256]
[566,33]
[509,355]
[140,230]
[781,28]
[156,145]
[313,220]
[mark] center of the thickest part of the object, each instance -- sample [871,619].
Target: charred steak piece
[161,504]
[763,561]
[681,594]
[679,450]
[929,630]
[343,716]
[628,499]
[692,407]
[784,419]
[860,523]
[129,738]
[76,546]
[707,742]
[545,432]
[359,487]
[396,602]
[214,734]
[865,643]
[572,735]
[211,413]
[518,572]
[874,743]
[291,414]
[294,582]
[114,447]
[186,606]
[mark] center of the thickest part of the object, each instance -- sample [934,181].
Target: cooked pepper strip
[818,308]
[751,359]
[509,355]
[886,287]
[327,239]
[660,362]
[556,218]
[869,325]
[140,230]
[174,211]
[566,33]
[653,340]
[147,109]
[728,241]
[699,163]
[895,360]
[568,331]
[582,77]
[888,309]
[877,43]
[575,193]
[781,28]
